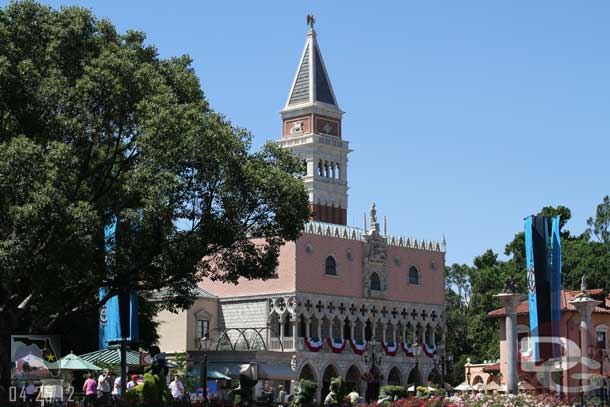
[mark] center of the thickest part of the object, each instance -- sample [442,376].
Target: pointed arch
[329,373]
[308,373]
[353,378]
[395,377]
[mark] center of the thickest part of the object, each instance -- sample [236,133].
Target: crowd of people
[105,388]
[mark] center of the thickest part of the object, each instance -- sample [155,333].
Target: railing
[287,342]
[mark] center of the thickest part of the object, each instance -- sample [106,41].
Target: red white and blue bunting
[389,350]
[358,348]
[313,345]
[407,349]
[429,350]
[336,347]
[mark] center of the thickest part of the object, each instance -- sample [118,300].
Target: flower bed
[475,400]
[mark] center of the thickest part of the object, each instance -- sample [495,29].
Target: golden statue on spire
[310,20]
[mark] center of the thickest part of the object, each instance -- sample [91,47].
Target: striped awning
[112,355]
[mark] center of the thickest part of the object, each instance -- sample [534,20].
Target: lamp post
[371,358]
[203,371]
[417,348]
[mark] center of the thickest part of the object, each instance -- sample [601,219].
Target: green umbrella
[73,362]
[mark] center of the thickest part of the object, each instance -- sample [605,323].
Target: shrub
[305,394]
[393,391]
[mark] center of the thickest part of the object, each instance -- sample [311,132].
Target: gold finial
[310,20]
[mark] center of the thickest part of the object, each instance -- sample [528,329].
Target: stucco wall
[311,277]
[284,282]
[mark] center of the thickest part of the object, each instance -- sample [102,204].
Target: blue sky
[464,117]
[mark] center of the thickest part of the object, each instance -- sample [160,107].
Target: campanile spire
[311,128]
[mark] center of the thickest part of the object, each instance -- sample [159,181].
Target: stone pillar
[394,334]
[404,333]
[363,331]
[585,305]
[308,328]
[510,302]
[373,331]
[281,328]
[351,330]
[433,332]
[320,321]
[383,334]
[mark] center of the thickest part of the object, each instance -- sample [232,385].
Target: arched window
[337,171]
[413,275]
[375,282]
[320,169]
[331,266]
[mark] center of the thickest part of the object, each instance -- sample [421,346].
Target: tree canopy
[96,128]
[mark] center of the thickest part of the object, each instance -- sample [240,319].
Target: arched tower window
[337,171]
[413,275]
[331,266]
[320,169]
[375,282]
[326,171]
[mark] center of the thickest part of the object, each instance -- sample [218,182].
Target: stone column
[394,334]
[295,335]
[320,321]
[363,331]
[383,334]
[433,336]
[510,302]
[281,328]
[373,331]
[404,333]
[351,330]
[585,305]
[308,328]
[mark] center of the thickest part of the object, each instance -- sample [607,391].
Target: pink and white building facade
[338,289]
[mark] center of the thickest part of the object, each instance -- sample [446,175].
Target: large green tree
[95,128]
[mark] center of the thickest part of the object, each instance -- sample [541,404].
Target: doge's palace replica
[345,301]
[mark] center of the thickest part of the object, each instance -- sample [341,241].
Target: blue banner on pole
[555,272]
[531,286]
[109,319]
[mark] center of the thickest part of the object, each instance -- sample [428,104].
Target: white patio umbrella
[462,387]
[492,386]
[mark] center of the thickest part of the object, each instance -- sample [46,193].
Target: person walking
[116,389]
[133,382]
[30,393]
[90,389]
[104,386]
[177,388]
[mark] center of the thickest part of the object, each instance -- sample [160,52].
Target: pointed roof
[311,84]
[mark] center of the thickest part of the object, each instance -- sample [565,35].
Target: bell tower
[311,129]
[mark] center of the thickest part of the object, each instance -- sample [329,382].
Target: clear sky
[464,116]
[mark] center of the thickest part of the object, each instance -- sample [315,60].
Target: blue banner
[555,272]
[543,261]
[531,286]
[110,321]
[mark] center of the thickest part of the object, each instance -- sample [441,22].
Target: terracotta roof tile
[566,296]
